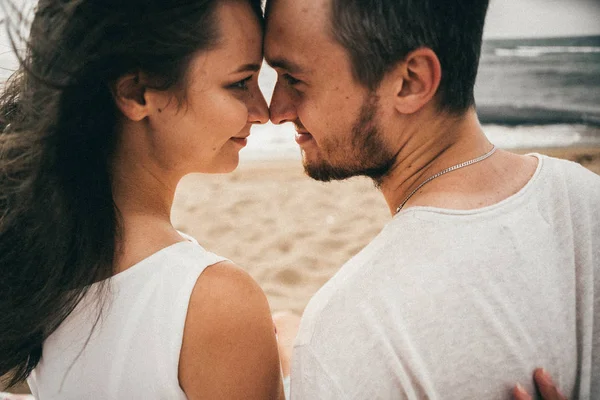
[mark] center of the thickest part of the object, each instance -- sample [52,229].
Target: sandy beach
[289,232]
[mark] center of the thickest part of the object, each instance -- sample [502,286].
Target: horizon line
[577,35]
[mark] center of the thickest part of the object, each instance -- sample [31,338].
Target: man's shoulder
[564,179]
[330,302]
[575,172]
[345,298]
[321,308]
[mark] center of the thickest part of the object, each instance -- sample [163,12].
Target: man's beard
[367,154]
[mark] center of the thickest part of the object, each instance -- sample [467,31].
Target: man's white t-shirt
[447,304]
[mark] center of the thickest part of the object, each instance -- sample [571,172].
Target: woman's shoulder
[226,294]
[228,328]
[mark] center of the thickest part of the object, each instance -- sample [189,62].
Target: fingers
[286,328]
[519,393]
[546,386]
[10,396]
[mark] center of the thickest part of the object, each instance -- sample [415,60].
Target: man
[490,264]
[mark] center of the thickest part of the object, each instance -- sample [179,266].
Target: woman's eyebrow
[248,68]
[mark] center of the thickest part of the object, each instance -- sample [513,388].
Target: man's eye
[243,84]
[291,80]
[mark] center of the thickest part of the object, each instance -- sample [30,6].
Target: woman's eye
[243,84]
[291,80]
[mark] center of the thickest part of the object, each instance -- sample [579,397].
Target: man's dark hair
[380,33]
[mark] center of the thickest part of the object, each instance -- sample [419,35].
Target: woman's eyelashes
[241,85]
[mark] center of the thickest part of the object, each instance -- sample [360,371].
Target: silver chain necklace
[445,171]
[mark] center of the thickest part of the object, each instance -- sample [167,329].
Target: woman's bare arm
[229,348]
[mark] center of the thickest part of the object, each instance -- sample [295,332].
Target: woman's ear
[129,92]
[416,80]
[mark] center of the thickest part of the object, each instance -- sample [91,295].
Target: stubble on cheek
[361,151]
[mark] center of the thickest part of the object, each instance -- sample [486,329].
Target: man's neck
[429,149]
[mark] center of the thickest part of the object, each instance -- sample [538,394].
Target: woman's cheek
[232,114]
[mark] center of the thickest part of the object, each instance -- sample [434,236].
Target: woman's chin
[225,166]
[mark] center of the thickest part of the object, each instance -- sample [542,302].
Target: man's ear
[129,92]
[416,80]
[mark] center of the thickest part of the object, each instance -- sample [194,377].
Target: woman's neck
[143,194]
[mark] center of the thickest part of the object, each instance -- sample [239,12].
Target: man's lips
[303,137]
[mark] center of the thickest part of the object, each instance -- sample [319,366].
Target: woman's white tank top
[132,352]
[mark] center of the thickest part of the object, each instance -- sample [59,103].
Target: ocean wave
[545,136]
[536,51]
[513,116]
[274,142]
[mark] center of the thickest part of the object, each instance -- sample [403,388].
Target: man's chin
[325,172]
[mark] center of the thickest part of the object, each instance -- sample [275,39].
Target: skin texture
[229,348]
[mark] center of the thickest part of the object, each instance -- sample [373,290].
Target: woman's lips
[242,141]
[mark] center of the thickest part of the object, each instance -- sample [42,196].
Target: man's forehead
[297,16]
[296,31]
[310,8]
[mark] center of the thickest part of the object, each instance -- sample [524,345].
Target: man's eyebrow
[287,65]
[247,68]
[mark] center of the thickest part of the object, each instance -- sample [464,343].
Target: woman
[114,103]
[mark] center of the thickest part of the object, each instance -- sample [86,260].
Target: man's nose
[282,107]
